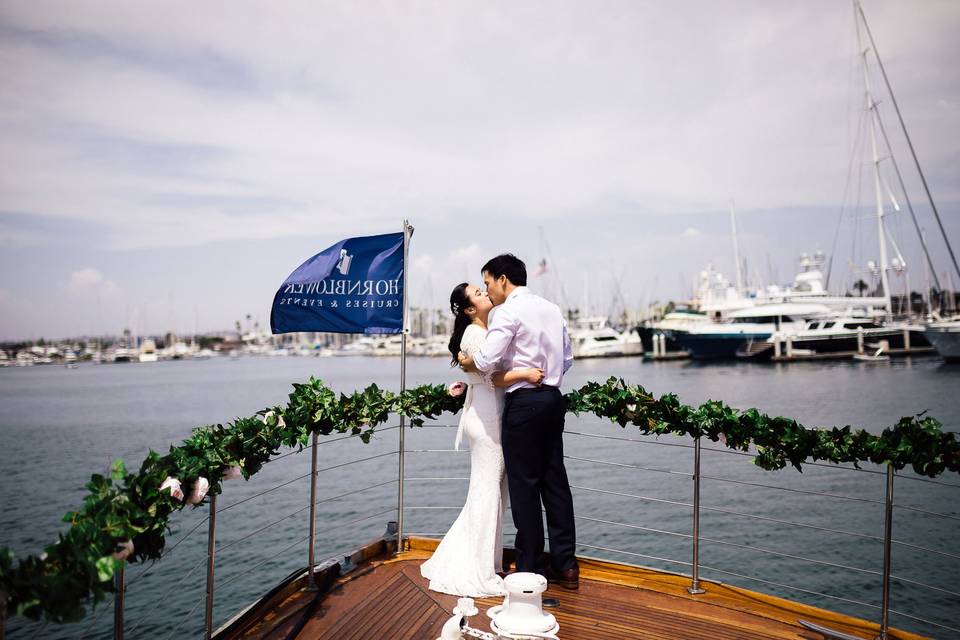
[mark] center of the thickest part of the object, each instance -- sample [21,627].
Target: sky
[166,166]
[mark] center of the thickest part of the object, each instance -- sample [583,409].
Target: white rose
[124,550]
[232,473]
[174,486]
[269,414]
[200,488]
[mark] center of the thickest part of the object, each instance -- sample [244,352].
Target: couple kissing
[514,347]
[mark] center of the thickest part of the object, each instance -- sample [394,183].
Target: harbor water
[58,425]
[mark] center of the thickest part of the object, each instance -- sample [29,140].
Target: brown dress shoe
[569,579]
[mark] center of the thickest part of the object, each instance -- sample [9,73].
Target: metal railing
[884,577]
[209,561]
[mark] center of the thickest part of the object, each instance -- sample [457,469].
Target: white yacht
[388,346]
[363,346]
[148,351]
[711,340]
[594,338]
[945,338]
[838,334]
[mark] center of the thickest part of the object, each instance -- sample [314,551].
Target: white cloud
[690,232]
[423,262]
[87,280]
[467,253]
[343,115]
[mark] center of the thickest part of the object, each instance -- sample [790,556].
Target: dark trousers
[532,439]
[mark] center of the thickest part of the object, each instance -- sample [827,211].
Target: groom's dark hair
[507,264]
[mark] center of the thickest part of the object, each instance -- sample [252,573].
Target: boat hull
[843,343]
[946,340]
[716,346]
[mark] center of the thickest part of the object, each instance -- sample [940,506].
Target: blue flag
[355,286]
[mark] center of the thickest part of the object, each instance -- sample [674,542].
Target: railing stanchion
[311,579]
[887,537]
[3,614]
[694,587]
[120,584]
[211,550]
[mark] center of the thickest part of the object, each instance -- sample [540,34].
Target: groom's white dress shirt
[526,331]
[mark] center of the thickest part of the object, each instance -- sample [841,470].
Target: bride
[470,556]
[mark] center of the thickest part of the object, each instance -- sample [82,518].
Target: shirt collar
[519,291]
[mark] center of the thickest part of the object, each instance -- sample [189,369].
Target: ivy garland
[123,506]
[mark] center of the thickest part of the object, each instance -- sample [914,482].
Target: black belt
[525,390]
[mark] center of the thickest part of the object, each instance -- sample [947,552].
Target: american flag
[541,268]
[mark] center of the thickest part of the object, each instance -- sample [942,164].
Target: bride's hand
[535,376]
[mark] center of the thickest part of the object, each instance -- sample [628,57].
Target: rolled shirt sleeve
[500,333]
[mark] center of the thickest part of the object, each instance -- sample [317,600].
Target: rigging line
[553,266]
[906,198]
[903,127]
[843,200]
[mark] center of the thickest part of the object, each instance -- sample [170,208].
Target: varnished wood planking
[385,597]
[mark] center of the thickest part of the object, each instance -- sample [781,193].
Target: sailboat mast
[736,248]
[872,110]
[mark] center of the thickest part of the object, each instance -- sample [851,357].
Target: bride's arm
[507,378]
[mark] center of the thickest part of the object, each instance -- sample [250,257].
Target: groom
[524,330]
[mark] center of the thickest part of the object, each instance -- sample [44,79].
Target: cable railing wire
[793,524]
[327,441]
[306,475]
[301,510]
[927,549]
[791,556]
[163,598]
[925,511]
[631,495]
[925,621]
[264,492]
[788,586]
[803,491]
[224,547]
[634,526]
[916,583]
[185,618]
[246,571]
[630,466]
[301,540]
[147,569]
[633,553]
[634,440]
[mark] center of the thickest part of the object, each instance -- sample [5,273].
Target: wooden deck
[377,595]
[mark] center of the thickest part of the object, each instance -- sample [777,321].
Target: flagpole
[403,383]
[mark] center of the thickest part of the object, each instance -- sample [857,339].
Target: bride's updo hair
[458,305]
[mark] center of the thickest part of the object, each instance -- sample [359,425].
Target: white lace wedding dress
[470,555]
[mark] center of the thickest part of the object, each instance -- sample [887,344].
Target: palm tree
[861,286]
